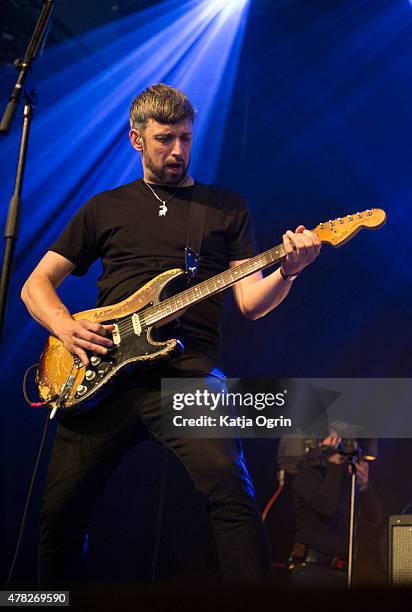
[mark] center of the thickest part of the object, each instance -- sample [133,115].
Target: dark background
[319,127]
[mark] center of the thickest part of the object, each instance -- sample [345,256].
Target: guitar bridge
[68,385]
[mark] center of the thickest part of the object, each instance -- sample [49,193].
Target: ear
[136,140]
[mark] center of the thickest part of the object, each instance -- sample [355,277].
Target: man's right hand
[83,335]
[333,441]
[45,306]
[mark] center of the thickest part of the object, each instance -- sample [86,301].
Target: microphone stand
[24,66]
[352,516]
[351,457]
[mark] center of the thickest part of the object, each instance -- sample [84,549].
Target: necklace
[162,206]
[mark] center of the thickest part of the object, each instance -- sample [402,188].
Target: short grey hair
[162,103]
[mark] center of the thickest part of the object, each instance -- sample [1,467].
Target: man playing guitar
[139,230]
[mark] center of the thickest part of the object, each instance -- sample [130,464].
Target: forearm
[43,303]
[264,295]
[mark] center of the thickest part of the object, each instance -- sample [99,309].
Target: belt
[303,555]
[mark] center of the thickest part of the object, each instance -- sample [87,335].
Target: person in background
[322,490]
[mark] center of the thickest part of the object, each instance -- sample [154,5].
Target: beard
[165,174]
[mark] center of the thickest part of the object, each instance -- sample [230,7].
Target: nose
[177,150]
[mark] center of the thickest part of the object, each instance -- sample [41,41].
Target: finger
[94,338]
[287,244]
[83,356]
[311,250]
[313,237]
[108,327]
[293,239]
[300,229]
[307,240]
[301,243]
[89,346]
[313,242]
[102,340]
[304,245]
[101,330]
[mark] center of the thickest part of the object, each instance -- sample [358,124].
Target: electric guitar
[64,382]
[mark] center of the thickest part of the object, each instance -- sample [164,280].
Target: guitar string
[166,308]
[255,264]
[127,326]
[161,309]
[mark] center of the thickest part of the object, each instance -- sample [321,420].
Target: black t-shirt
[123,228]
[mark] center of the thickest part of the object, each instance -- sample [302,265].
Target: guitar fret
[213,285]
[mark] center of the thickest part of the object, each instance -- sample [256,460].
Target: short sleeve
[242,241]
[77,242]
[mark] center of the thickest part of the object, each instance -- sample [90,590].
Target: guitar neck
[213,285]
[334,232]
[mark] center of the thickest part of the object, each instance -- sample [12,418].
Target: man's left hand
[301,247]
[362,474]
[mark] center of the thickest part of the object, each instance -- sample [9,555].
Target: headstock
[338,231]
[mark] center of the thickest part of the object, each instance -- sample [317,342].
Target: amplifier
[400,549]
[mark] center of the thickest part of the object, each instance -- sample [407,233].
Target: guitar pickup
[116,335]
[137,328]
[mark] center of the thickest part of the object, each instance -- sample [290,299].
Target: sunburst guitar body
[62,379]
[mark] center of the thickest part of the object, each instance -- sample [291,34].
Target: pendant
[162,209]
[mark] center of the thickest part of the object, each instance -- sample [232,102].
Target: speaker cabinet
[400,549]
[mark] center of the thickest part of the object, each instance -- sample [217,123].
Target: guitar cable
[24,384]
[33,478]
[26,506]
[281,480]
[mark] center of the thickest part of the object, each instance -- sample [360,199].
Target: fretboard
[212,285]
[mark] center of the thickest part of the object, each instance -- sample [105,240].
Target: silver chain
[162,206]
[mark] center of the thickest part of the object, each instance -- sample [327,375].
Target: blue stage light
[79,144]
[229,5]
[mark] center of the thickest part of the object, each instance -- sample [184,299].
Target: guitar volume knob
[95,360]
[81,390]
[90,374]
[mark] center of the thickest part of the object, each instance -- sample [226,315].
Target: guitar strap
[196,228]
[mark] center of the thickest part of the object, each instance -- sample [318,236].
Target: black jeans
[87,449]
